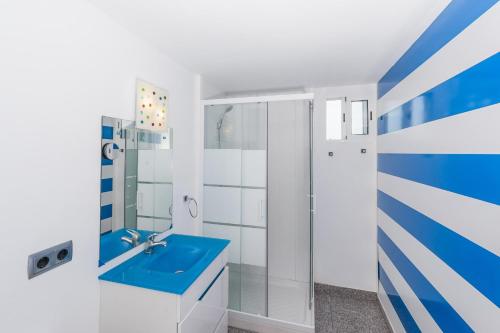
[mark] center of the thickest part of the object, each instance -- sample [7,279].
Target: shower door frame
[267,322]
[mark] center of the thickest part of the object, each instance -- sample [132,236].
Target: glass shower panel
[253,209]
[289,228]
[235,197]
[222,187]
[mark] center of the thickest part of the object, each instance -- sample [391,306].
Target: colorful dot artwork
[151,107]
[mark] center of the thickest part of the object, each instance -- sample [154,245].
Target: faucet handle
[133,233]
[127,240]
[152,236]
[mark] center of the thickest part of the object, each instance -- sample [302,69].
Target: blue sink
[176,259]
[170,269]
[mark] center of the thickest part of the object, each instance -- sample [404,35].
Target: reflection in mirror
[136,186]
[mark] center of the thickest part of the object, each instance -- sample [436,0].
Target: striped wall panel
[439,176]
[107,132]
[453,20]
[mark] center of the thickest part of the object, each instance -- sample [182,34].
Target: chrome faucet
[151,243]
[133,239]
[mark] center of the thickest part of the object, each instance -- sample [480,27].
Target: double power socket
[45,260]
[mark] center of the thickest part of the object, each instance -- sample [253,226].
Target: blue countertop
[171,269]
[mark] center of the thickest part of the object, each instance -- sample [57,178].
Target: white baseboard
[261,324]
[391,326]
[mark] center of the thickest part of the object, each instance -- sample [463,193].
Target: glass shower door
[258,194]
[289,212]
[235,197]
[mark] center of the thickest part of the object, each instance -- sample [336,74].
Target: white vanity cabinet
[202,308]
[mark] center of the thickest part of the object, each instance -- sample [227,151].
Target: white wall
[208,90]
[345,186]
[63,65]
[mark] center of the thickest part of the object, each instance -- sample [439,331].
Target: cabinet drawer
[189,299]
[210,308]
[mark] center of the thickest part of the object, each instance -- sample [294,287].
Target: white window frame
[343,134]
[367,116]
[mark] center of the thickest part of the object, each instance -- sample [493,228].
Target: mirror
[136,186]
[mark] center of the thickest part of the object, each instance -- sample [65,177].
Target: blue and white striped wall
[439,176]
[107,133]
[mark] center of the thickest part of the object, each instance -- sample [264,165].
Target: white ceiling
[242,45]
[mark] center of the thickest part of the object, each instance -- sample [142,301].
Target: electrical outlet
[45,260]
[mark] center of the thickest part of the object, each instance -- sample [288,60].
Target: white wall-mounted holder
[192,211]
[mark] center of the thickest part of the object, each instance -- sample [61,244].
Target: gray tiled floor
[287,300]
[343,310]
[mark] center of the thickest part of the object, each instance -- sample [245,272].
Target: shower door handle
[261,209]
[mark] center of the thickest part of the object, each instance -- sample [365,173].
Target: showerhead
[221,119]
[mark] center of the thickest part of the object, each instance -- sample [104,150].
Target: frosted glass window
[334,119]
[359,111]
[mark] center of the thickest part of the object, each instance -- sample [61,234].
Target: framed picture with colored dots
[151,107]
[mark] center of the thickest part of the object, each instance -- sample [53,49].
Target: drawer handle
[211,284]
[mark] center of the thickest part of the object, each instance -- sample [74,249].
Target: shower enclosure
[258,194]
